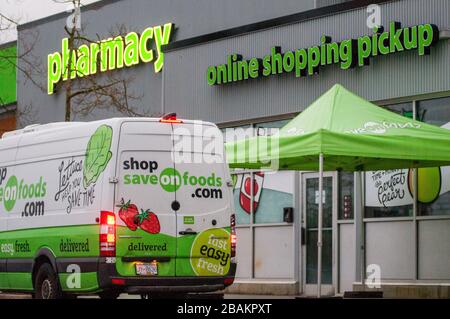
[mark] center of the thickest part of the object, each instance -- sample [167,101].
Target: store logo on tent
[296,131]
[381,128]
[374,127]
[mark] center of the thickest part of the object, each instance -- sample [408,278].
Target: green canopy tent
[341,131]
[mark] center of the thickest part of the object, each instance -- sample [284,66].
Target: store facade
[252,66]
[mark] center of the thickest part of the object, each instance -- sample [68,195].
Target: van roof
[34,128]
[40,127]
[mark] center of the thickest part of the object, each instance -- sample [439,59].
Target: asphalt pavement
[127,296]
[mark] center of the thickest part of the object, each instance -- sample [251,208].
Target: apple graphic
[245,197]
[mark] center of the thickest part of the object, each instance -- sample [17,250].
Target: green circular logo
[10,193]
[170,179]
[211,253]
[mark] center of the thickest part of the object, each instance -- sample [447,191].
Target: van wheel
[47,284]
[109,294]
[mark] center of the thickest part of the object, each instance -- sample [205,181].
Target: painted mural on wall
[396,187]
[271,192]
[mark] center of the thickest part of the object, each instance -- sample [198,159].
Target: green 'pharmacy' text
[347,53]
[109,54]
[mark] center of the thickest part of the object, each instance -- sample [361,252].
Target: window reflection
[434,182]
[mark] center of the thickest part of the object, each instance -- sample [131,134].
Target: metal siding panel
[390,246]
[434,249]
[392,76]
[244,253]
[192,18]
[347,258]
[274,258]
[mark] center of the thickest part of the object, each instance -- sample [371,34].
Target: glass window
[405,109]
[269,128]
[233,134]
[434,182]
[241,201]
[346,180]
[311,231]
[436,112]
[272,193]
[387,193]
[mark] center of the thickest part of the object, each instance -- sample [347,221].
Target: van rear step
[172,289]
[363,294]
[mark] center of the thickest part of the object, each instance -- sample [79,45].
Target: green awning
[353,135]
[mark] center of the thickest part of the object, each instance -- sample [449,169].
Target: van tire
[47,283]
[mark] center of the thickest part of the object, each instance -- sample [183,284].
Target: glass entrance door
[309,227]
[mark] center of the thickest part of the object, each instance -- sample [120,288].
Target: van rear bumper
[173,289]
[108,278]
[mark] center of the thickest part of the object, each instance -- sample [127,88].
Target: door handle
[187,232]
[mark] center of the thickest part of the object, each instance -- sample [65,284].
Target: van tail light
[170,118]
[228,281]
[118,281]
[233,235]
[107,234]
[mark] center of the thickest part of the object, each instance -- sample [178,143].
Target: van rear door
[146,230]
[203,217]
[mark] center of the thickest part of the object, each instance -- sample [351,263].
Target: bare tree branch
[9,21]
[87,93]
[83,94]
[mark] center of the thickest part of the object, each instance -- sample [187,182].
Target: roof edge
[10,107]
[63,14]
[272,23]
[8,44]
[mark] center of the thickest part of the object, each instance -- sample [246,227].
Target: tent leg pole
[319,229]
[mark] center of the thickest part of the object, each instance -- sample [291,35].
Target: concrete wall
[409,291]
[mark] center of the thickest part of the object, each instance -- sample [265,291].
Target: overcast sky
[24,11]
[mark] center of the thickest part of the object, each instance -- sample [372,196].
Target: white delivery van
[137,205]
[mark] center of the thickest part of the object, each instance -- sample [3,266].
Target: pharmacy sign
[109,54]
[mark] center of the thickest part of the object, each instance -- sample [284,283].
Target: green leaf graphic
[98,154]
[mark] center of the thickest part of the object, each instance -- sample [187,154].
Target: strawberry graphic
[148,221]
[128,213]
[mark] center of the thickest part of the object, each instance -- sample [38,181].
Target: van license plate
[147,269]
